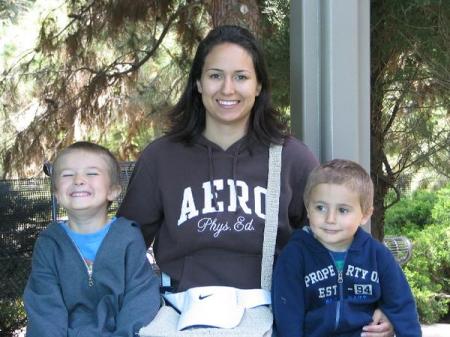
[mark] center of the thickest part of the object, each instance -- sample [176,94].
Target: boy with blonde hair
[332,275]
[90,275]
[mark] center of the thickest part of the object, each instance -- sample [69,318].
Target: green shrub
[424,217]
[428,272]
[411,213]
[12,316]
[441,210]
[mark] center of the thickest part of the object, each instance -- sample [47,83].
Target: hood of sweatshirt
[243,146]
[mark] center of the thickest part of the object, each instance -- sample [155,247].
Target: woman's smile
[228,86]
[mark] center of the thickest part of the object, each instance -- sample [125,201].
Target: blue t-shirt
[88,243]
[339,259]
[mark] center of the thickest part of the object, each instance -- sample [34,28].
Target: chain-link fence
[25,209]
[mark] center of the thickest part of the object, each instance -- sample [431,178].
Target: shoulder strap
[272,207]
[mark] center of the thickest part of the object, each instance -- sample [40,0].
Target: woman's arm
[396,302]
[142,200]
[380,326]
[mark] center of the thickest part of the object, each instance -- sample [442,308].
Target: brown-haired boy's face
[335,213]
[83,183]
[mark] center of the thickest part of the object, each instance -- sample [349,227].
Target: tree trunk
[376,166]
[244,13]
[378,64]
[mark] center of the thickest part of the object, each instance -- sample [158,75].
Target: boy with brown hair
[332,275]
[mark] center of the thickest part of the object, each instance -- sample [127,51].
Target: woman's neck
[224,136]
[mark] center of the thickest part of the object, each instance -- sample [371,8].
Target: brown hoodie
[202,238]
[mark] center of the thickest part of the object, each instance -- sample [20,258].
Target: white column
[330,77]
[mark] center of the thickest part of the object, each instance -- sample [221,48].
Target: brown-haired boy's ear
[307,210]
[367,216]
[114,192]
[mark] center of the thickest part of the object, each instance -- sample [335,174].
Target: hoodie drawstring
[235,160]
[211,175]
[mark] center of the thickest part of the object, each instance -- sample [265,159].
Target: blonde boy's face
[83,184]
[335,213]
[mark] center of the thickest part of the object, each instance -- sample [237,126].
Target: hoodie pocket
[233,270]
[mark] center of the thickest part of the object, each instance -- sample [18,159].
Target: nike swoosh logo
[202,297]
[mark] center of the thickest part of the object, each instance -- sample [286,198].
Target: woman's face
[228,86]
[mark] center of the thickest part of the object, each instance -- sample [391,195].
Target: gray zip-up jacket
[63,300]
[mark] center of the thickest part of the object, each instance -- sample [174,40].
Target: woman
[198,192]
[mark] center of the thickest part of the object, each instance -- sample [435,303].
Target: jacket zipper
[341,298]
[340,282]
[89,268]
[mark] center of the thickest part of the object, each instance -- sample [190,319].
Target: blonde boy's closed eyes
[84,188]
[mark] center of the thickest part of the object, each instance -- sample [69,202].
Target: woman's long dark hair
[187,118]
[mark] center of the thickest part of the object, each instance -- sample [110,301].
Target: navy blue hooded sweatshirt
[61,300]
[311,298]
[205,207]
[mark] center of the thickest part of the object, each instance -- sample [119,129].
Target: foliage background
[410,101]
[108,71]
[423,216]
